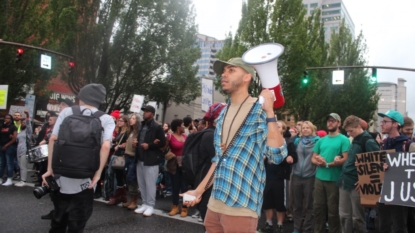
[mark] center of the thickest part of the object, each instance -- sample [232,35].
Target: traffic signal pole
[34,47]
[359,67]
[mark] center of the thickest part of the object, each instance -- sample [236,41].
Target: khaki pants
[326,204]
[222,223]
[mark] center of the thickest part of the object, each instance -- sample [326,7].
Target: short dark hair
[176,123]
[187,120]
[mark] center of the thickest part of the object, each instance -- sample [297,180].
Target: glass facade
[333,5]
[209,46]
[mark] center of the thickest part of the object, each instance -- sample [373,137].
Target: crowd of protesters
[307,175]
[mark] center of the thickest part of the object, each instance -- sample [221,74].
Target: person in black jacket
[208,152]
[274,191]
[148,157]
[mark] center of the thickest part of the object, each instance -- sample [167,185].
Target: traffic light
[374,78]
[71,67]
[305,79]
[19,55]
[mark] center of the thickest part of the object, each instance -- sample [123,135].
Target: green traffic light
[305,80]
[374,78]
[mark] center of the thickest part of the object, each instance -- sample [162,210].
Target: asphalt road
[20,212]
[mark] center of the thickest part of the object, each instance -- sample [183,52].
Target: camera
[39,192]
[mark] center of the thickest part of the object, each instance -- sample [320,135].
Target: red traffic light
[72,64]
[20,51]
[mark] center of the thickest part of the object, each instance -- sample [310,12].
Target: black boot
[47,216]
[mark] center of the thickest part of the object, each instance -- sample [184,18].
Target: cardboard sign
[370,172]
[399,184]
[137,103]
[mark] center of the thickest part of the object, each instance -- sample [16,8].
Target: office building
[392,97]
[209,46]
[332,14]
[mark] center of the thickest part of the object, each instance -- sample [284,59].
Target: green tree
[127,44]
[25,22]
[357,96]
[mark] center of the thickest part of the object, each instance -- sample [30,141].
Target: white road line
[156,211]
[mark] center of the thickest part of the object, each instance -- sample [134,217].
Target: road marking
[162,213]
[156,211]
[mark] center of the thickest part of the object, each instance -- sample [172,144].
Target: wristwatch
[271,119]
[327,165]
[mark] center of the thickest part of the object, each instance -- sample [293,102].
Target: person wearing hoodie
[352,213]
[303,178]
[393,216]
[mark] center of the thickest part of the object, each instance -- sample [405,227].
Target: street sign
[45,62]
[338,77]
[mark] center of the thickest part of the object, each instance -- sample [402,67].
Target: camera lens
[39,192]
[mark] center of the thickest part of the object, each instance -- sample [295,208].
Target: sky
[388,27]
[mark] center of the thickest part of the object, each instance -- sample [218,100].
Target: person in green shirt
[329,154]
[352,213]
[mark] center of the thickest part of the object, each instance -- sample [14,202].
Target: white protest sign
[136,103]
[30,104]
[15,108]
[207,94]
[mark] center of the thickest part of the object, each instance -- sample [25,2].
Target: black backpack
[76,153]
[192,164]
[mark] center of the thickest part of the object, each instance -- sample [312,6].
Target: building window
[331,12]
[305,6]
[334,5]
[313,5]
[176,116]
[333,29]
[325,19]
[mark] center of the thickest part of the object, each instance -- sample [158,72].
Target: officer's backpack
[76,153]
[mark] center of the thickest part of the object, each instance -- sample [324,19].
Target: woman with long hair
[123,131]
[303,178]
[8,136]
[130,166]
[176,144]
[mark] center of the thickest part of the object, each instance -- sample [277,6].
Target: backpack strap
[98,114]
[76,110]
[362,144]
[405,145]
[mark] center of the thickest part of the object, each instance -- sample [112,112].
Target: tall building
[209,46]
[392,97]
[332,14]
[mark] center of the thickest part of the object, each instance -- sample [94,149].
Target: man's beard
[334,129]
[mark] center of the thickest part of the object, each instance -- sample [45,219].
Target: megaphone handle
[261,100]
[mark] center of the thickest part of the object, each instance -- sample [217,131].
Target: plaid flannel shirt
[239,179]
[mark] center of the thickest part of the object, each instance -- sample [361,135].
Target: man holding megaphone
[246,131]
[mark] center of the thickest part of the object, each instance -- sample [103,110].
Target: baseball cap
[149,108]
[335,116]
[66,101]
[394,115]
[219,65]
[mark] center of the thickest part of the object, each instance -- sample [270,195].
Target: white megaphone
[264,59]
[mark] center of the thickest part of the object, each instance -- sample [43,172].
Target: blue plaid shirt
[239,179]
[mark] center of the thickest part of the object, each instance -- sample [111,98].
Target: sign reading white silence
[207,94]
[137,103]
